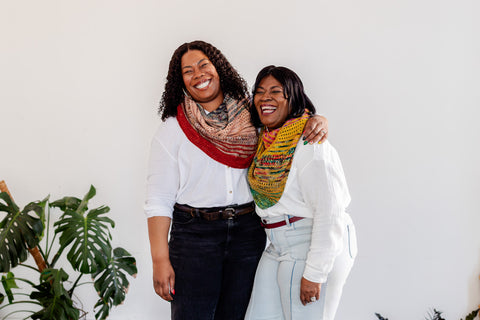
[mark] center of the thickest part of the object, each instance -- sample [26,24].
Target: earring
[186,93]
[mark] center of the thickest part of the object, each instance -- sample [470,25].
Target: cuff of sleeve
[157,211]
[314,275]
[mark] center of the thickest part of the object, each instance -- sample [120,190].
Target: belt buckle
[229,213]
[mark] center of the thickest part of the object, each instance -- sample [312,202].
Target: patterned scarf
[226,135]
[268,173]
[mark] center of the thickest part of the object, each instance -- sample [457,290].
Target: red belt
[280,223]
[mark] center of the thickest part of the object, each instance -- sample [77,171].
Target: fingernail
[305,142]
[320,142]
[303,138]
[173,291]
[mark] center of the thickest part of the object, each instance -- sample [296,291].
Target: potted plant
[83,239]
[437,315]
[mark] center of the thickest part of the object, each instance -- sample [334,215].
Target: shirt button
[230,191]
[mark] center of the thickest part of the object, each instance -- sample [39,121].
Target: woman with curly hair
[197,184]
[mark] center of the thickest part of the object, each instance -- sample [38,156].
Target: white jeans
[276,290]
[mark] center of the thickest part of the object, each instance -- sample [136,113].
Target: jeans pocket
[352,241]
[298,241]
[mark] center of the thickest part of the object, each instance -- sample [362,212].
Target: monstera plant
[83,240]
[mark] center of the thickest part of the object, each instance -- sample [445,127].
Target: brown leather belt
[217,213]
[280,223]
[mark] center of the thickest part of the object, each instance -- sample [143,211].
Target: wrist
[160,259]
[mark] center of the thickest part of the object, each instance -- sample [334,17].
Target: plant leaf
[434,315]
[8,282]
[65,203]
[88,235]
[55,277]
[83,205]
[472,315]
[19,230]
[112,283]
[379,316]
[9,205]
[57,303]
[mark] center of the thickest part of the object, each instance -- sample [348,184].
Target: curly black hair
[293,90]
[231,83]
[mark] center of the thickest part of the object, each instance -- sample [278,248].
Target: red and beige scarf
[227,135]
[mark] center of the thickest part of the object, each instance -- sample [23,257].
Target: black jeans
[214,264]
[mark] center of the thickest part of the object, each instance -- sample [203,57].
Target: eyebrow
[198,62]
[279,87]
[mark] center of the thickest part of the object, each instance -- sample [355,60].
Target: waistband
[280,223]
[217,213]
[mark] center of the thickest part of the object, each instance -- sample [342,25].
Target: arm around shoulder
[316,129]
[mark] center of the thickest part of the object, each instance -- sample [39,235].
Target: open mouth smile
[268,109]
[202,85]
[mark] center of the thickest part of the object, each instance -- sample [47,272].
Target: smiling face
[201,79]
[271,103]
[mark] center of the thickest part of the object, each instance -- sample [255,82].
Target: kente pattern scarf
[230,140]
[268,173]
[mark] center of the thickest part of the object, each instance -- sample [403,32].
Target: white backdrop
[399,82]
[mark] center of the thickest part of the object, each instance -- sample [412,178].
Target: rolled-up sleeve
[324,188]
[163,176]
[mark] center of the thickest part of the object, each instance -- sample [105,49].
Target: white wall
[399,82]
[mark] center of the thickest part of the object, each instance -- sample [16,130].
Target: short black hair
[293,91]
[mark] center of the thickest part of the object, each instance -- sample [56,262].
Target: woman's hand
[164,279]
[163,274]
[316,129]
[308,290]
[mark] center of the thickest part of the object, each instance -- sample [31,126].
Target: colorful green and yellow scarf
[268,173]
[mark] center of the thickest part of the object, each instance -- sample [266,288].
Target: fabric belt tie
[217,213]
[280,223]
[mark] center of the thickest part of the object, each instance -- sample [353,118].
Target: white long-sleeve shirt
[180,172]
[316,188]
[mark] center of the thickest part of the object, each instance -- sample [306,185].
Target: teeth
[268,109]
[202,85]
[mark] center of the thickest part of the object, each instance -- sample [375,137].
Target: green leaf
[10,280]
[87,235]
[83,205]
[472,315]
[6,283]
[9,205]
[19,230]
[435,315]
[65,203]
[112,283]
[55,277]
[54,298]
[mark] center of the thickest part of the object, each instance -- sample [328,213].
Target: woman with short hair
[301,196]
